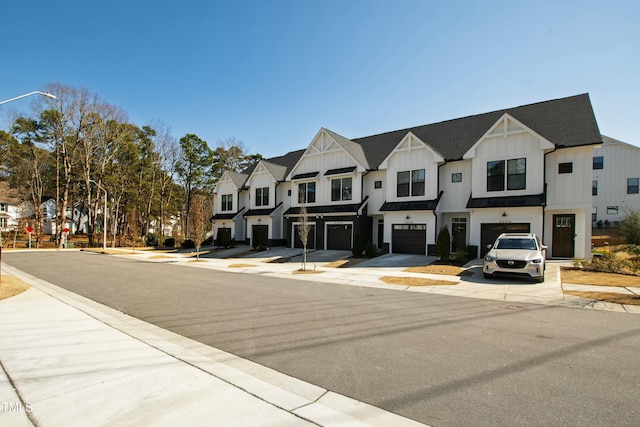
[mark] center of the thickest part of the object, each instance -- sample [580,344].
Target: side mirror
[544,248]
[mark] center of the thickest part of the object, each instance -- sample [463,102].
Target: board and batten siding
[569,190]
[412,154]
[376,195]
[455,194]
[515,144]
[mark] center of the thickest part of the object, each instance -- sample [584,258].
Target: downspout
[439,196]
[544,188]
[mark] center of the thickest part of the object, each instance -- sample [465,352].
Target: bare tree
[303,233]
[196,221]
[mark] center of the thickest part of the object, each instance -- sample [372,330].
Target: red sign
[66,229]
[29,229]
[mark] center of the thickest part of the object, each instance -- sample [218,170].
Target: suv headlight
[489,258]
[536,261]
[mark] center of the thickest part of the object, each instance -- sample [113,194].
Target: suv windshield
[528,244]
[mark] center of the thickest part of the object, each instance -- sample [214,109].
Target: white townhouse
[249,206]
[269,197]
[9,207]
[229,203]
[328,181]
[615,181]
[522,169]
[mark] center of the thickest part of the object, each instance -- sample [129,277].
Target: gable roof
[567,122]
[237,178]
[279,167]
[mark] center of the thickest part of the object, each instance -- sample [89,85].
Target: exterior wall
[582,243]
[261,179]
[324,154]
[504,146]
[569,190]
[530,215]
[415,217]
[455,194]
[226,187]
[570,193]
[376,195]
[621,161]
[411,156]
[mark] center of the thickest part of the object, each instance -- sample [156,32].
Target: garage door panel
[489,232]
[260,235]
[409,239]
[339,236]
[311,239]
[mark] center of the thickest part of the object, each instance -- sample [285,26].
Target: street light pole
[37,92]
[104,217]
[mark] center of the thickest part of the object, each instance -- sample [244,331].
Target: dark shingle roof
[507,201]
[566,122]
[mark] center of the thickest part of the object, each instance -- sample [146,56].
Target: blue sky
[271,73]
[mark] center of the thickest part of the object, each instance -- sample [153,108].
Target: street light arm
[37,92]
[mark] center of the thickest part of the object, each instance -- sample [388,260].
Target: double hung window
[307,192]
[262,196]
[516,174]
[341,189]
[411,183]
[227,202]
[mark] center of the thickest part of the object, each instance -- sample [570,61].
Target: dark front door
[311,237]
[380,234]
[223,237]
[259,235]
[489,233]
[564,232]
[458,236]
[339,236]
[409,239]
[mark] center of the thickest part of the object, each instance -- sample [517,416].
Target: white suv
[516,254]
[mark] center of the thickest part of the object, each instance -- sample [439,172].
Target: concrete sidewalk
[69,361]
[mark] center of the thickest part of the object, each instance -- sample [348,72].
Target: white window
[227,202]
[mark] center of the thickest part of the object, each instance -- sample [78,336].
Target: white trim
[411,137]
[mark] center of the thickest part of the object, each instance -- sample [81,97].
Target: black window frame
[456,177]
[594,187]
[598,162]
[226,202]
[510,174]
[495,175]
[262,196]
[565,167]
[340,190]
[411,183]
[307,192]
[633,188]
[377,184]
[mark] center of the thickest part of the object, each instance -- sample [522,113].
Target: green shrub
[462,255]
[443,245]
[188,244]
[152,239]
[170,242]
[630,227]
[370,250]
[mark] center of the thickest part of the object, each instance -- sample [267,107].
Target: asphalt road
[444,361]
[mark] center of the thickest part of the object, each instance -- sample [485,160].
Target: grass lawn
[241,265]
[415,281]
[581,277]
[11,286]
[345,263]
[607,296]
[449,270]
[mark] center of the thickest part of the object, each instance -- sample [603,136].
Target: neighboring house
[519,169]
[9,207]
[77,220]
[616,178]
[229,203]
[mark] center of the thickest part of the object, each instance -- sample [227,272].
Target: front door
[564,234]
[458,234]
[259,235]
